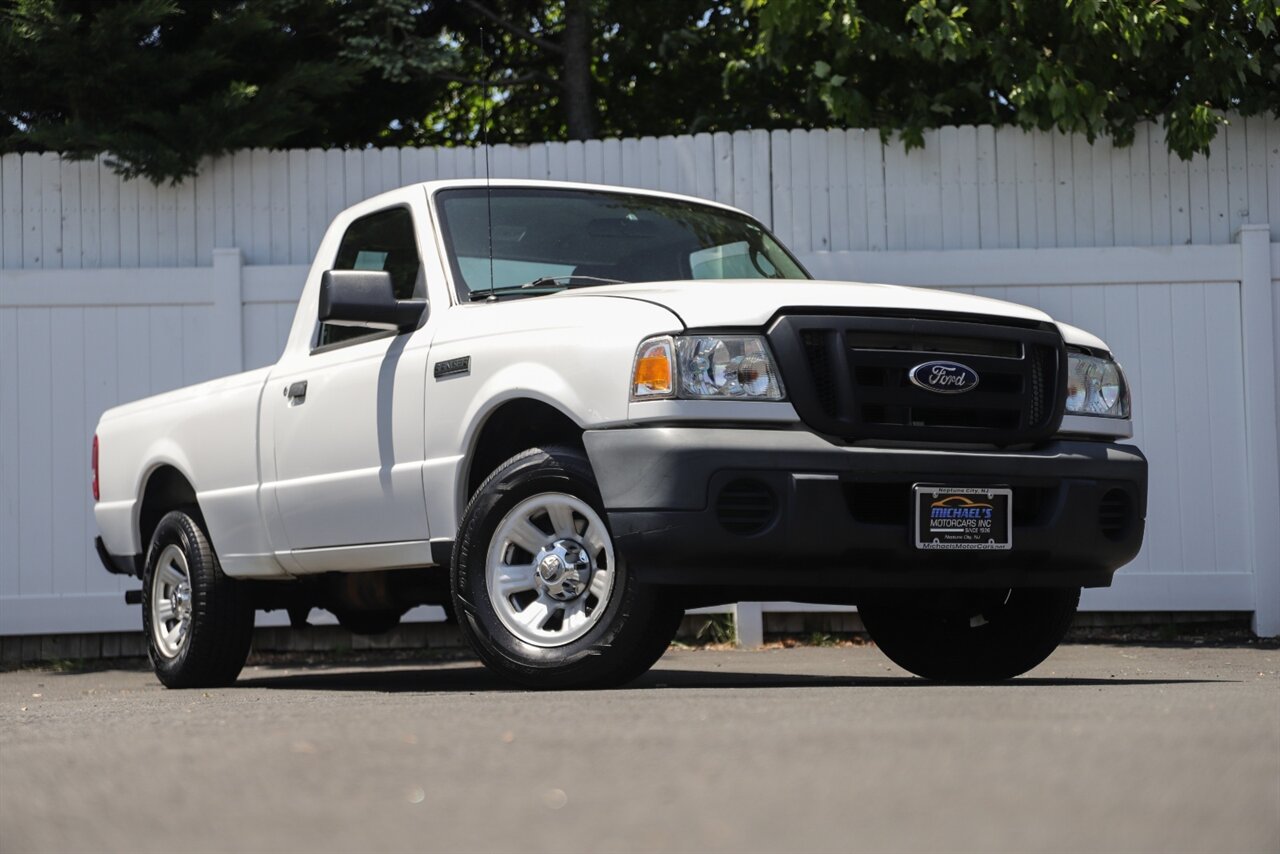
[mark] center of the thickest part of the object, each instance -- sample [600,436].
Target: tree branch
[519,33]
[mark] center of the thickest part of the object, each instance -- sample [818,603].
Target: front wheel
[972,636]
[541,593]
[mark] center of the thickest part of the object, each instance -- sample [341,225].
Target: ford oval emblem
[944,377]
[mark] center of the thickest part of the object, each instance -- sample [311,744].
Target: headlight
[706,367]
[1096,386]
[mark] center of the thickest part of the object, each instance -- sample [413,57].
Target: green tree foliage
[1089,66]
[661,70]
[528,78]
[655,67]
[159,84]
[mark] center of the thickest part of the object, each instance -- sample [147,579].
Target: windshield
[546,239]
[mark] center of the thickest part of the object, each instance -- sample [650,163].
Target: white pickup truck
[569,412]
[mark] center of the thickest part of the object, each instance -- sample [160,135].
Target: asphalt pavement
[1102,748]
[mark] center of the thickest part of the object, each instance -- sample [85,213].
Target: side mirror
[366,298]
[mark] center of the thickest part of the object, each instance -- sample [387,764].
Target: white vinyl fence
[113,290]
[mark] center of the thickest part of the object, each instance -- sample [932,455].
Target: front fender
[573,354]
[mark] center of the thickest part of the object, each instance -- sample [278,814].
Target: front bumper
[841,515]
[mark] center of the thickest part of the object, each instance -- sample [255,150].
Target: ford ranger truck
[568,412]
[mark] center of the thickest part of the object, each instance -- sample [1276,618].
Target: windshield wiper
[561,282]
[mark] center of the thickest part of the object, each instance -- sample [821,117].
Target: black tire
[636,625]
[216,644]
[975,636]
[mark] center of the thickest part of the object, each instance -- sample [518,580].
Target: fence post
[748,625]
[228,312]
[1258,329]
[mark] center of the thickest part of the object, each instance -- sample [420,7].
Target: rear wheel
[198,622]
[974,636]
[542,595]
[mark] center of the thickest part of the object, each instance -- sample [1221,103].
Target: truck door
[345,421]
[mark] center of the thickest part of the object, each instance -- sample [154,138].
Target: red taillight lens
[95,468]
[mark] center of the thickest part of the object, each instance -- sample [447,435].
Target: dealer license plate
[963,517]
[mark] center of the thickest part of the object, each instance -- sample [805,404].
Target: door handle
[297,392]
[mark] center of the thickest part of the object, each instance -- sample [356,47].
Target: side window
[380,241]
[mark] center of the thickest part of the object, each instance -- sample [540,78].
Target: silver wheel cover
[171,602]
[550,569]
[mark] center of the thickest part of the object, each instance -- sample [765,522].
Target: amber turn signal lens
[653,371]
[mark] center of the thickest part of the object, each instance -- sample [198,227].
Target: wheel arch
[512,426]
[165,488]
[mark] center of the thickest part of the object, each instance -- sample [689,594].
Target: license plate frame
[980,518]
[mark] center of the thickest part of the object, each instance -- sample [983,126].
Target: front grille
[815,352]
[849,376]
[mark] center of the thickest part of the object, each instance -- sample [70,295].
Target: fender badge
[453,367]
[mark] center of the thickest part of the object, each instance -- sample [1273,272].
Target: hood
[752,302]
